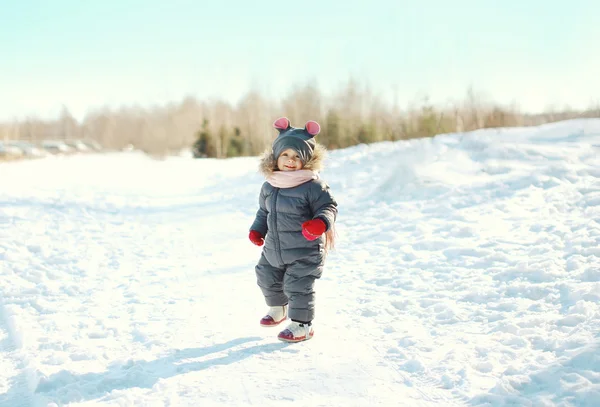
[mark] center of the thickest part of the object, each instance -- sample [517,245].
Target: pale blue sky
[84,55]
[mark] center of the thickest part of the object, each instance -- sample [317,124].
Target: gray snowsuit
[289,263]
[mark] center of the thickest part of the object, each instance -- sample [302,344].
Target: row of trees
[218,129]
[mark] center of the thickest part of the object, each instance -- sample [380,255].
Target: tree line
[217,129]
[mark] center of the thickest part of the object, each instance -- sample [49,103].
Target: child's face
[289,161]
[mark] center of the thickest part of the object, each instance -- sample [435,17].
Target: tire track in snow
[19,393]
[439,392]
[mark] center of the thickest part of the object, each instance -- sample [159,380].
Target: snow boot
[275,316]
[297,332]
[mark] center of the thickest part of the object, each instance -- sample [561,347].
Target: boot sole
[272,325]
[296,340]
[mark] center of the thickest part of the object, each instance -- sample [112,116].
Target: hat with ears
[300,140]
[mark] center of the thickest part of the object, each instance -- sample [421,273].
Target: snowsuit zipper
[277,241]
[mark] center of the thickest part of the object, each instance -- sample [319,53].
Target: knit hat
[300,140]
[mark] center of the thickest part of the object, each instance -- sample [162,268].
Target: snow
[467,273]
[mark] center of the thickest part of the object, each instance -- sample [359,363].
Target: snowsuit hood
[268,161]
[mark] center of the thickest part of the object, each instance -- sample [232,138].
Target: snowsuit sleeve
[323,204]
[260,221]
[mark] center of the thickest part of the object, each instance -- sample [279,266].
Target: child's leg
[270,281]
[298,285]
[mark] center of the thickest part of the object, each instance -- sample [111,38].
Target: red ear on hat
[282,123]
[312,127]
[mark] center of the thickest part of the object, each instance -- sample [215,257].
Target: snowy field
[467,273]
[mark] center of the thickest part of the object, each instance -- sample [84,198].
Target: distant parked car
[92,145]
[77,145]
[26,148]
[56,147]
[8,150]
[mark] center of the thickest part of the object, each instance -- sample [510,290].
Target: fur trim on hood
[268,163]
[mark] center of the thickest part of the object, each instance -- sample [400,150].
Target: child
[295,222]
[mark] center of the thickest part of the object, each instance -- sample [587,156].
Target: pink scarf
[290,179]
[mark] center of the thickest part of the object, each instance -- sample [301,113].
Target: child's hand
[312,229]
[256,238]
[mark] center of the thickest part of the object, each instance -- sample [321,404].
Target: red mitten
[256,238]
[312,229]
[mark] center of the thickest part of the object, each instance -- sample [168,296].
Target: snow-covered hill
[467,273]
